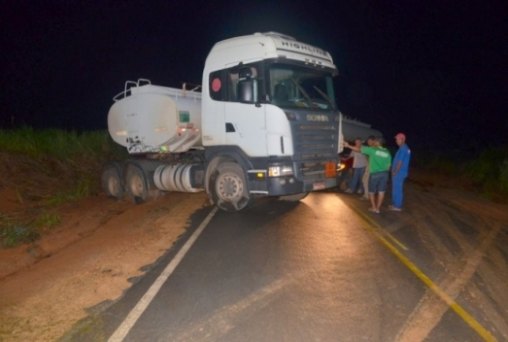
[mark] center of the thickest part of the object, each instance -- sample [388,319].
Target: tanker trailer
[160,127]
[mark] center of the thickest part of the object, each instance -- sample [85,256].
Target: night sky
[433,69]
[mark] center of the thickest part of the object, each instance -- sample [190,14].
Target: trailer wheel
[136,183]
[230,190]
[111,180]
[294,198]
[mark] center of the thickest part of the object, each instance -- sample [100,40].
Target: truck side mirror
[247,90]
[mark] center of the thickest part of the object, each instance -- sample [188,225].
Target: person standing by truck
[366,174]
[399,171]
[359,164]
[379,166]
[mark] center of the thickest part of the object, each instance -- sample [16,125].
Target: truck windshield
[297,87]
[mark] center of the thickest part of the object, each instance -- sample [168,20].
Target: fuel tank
[154,119]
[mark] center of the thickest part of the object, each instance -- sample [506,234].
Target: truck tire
[229,187]
[136,183]
[111,180]
[293,198]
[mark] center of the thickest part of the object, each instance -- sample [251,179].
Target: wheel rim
[114,186]
[137,186]
[230,187]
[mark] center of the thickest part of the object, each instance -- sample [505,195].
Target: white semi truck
[264,124]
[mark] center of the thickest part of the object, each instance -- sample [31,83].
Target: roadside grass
[490,170]
[13,233]
[56,143]
[17,229]
[48,168]
[485,173]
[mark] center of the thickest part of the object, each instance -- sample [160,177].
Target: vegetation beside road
[485,172]
[43,169]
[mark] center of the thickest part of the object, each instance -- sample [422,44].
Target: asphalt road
[323,269]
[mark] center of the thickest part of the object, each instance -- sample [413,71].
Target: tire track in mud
[459,241]
[490,290]
[94,271]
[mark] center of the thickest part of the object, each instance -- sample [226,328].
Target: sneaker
[393,208]
[348,191]
[374,210]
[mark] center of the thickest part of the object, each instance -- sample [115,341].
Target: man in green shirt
[380,161]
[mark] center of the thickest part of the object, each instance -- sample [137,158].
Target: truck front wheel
[230,192]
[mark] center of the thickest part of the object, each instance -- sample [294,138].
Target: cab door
[244,115]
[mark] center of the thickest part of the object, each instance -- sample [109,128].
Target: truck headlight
[280,171]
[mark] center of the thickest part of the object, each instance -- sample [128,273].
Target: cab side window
[238,84]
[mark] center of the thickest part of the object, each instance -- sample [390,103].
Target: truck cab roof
[261,46]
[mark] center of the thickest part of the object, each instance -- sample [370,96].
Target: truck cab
[268,106]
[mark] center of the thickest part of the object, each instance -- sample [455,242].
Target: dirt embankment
[83,252]
[47,286]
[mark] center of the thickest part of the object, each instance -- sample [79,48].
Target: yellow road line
[379,228]
[374,228]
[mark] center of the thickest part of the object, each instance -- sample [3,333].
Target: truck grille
[314,144]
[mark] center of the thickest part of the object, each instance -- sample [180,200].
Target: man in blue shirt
[400,166]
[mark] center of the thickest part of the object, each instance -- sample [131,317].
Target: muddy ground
[101,245]
[89,260]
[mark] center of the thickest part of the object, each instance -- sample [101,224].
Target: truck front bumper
[281,186]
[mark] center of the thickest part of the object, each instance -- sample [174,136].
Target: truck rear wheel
[294,198]
[111,180]
[136,183]
[230,192]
